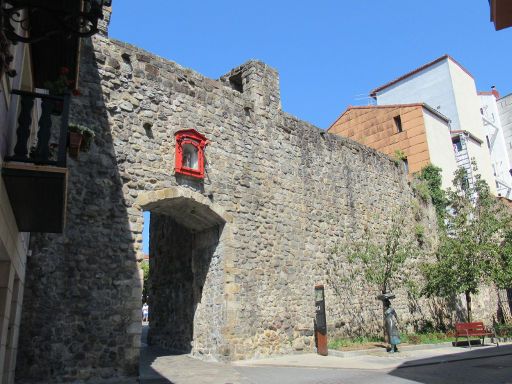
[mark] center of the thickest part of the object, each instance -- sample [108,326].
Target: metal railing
[44,144]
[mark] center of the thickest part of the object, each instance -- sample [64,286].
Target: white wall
[481,155]
[505,112]
[498,148]
[432,86]
[467,101]
[440,147]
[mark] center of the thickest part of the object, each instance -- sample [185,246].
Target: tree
[469,242]
[379,260]
[145,284]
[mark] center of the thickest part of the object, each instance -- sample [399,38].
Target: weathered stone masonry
[240,251]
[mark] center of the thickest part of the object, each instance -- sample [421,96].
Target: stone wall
[185,275]
[280,192]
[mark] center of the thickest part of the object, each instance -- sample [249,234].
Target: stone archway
[188,243]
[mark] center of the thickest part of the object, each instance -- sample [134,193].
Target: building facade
[497,143]
[33,135]
[505,113]
[14,244]
[449,88]
[415,134]
[501,13]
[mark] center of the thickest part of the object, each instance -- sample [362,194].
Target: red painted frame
[192,137]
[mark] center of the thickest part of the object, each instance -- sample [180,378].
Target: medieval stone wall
[289,193]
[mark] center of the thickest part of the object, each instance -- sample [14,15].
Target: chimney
[495,92]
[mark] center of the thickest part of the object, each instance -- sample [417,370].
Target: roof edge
[423,105]
[373,93]
[452,133]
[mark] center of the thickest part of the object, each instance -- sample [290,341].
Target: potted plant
[59,87]
[88,138]
[80,138]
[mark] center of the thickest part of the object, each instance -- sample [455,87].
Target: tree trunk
[504,305]
[468,305]
[384,307]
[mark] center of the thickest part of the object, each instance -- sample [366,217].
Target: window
[398,123]
[457,144]
[189,159]
[236,82]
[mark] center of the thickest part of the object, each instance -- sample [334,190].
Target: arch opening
[186,272]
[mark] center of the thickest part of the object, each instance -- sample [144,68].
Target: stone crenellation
[233,258]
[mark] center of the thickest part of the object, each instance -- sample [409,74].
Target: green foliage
[430,177]
[501,265]
[61,84]
[358,340]
[87,133]
[145,286]
[469,248]
[419,231]
[409,338]
[426,338]
[381,263]
[399,155]
[503,330]
[422,191]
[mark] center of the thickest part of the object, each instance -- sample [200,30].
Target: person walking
[145,312]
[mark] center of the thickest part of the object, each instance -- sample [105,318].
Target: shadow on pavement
[148,355]
[160,366]
[479,365]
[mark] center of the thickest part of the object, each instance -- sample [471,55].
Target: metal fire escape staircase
[463,160]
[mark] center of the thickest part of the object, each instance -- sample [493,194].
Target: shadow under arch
[189,242]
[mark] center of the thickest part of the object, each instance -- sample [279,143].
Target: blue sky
[329,54]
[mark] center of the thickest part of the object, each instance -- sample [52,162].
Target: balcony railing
[45,144]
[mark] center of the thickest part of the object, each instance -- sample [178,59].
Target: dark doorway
[184,274]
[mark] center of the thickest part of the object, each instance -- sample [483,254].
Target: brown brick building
[417,131]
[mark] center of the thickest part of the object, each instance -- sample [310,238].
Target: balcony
[35,175]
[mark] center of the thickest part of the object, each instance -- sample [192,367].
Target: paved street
[491,370]
[441,365]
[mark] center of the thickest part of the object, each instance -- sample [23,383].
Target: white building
[496,143]
[449,88]
[505,112]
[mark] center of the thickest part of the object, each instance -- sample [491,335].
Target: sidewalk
[381,360]
[158,366]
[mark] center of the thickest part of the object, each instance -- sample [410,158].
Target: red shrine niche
[190,146]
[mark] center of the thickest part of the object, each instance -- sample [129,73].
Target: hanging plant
[80,138]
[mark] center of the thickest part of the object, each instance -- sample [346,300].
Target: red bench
[467,330]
